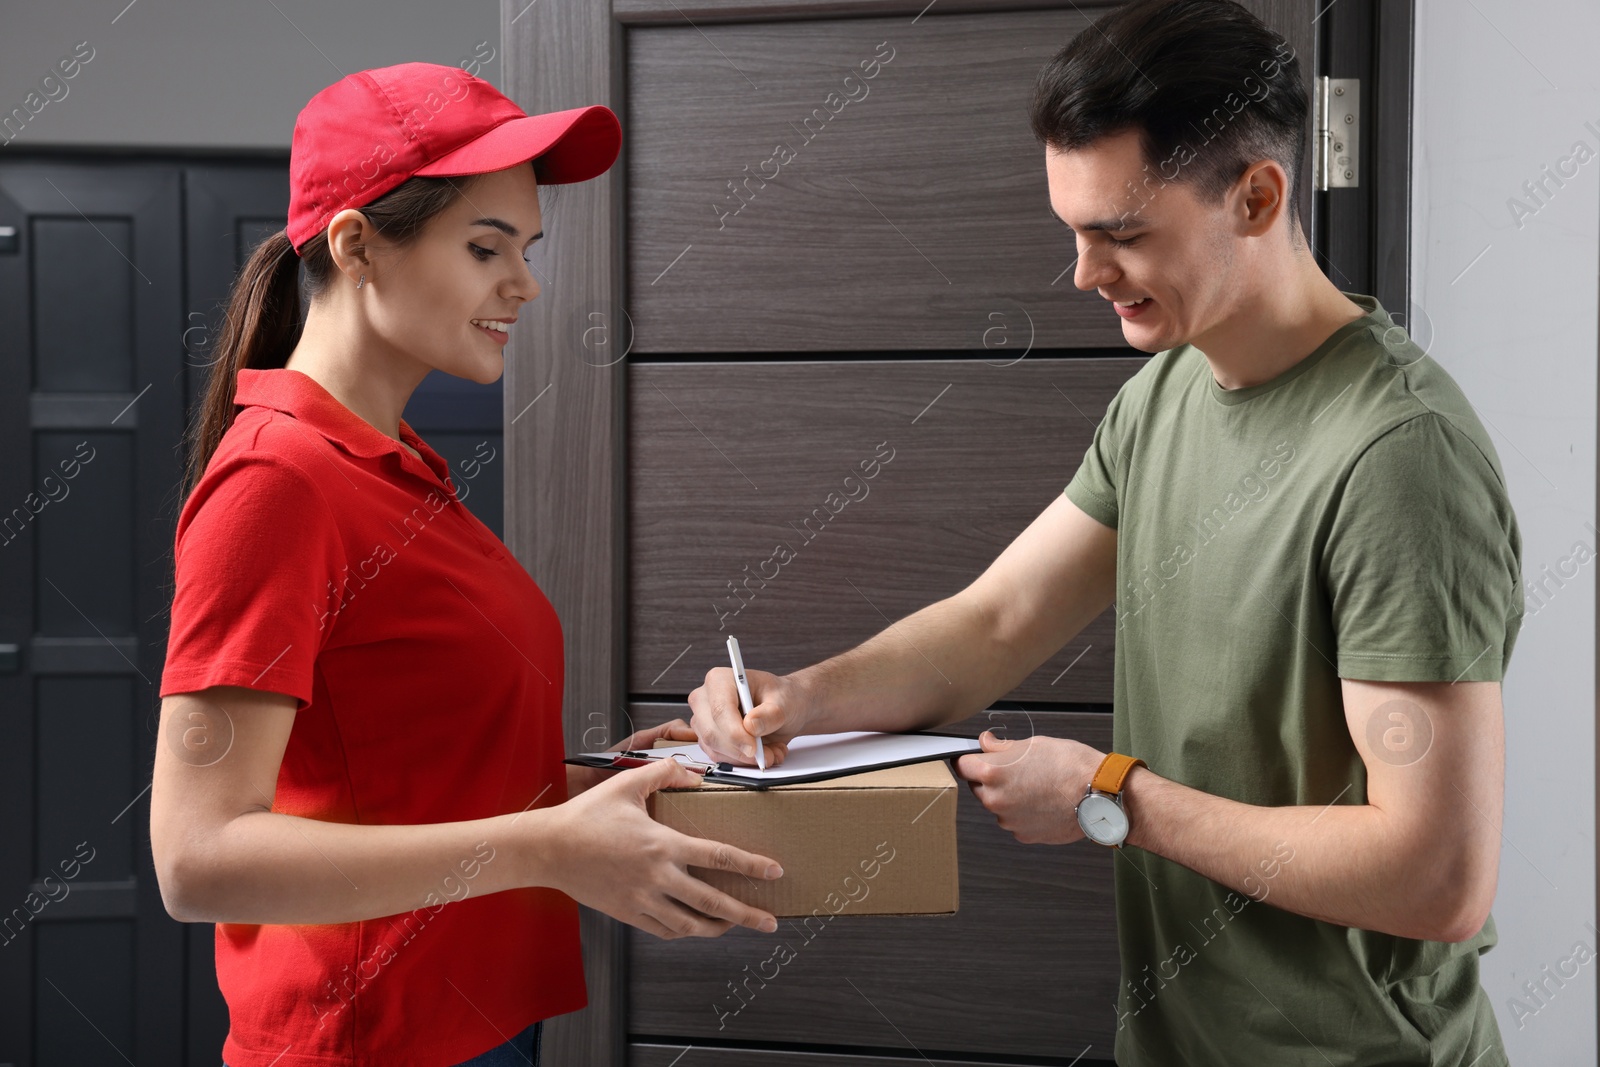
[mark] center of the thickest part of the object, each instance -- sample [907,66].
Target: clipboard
[811,757]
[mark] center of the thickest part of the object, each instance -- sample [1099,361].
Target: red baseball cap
[371,130]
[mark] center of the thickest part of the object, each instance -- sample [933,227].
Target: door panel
[847,184]
[843,495]
[881,189]
[90,322]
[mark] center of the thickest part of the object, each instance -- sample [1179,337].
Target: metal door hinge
[1338,141]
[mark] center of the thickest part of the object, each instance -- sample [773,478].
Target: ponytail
[260,328]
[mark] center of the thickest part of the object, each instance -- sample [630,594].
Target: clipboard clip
[646,759]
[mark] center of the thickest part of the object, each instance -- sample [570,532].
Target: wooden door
[828,239]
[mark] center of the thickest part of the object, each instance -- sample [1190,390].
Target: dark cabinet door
[91,966]
[113,281]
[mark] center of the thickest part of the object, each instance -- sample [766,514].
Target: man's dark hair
[1210,88]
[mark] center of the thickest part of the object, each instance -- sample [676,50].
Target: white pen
[746,705]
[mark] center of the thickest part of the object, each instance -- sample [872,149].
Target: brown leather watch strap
[1113,769]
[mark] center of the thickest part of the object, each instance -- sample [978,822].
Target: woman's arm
[222,855]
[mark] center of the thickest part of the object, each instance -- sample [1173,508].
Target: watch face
[1102,819]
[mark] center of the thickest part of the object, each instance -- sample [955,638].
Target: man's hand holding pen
[730,737]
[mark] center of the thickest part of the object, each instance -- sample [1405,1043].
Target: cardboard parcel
[878,843]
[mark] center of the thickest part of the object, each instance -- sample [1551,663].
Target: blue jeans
[521,1051]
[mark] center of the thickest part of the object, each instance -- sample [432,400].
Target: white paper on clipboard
[817,757]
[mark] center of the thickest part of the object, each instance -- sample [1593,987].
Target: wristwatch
[1100,812]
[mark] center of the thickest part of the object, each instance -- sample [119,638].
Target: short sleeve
[1094,487]
[1423,563]
[256,560]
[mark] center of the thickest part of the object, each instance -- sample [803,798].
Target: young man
[1316,570]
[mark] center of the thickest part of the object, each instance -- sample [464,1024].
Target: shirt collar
[299,395]
[1375,316]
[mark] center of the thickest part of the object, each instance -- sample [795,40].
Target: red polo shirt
[320,559]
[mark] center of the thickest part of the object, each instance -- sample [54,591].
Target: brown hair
[263,320]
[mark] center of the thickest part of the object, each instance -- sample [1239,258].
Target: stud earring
[361,282]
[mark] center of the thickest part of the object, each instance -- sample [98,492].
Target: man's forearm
[957,656]
[940,664]
[1354,865]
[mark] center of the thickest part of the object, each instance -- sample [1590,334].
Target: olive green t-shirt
[1347,519]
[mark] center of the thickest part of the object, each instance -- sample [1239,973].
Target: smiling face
[466,265]
[1141,240]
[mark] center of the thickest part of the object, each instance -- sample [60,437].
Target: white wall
[199,73]
[1502,90]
